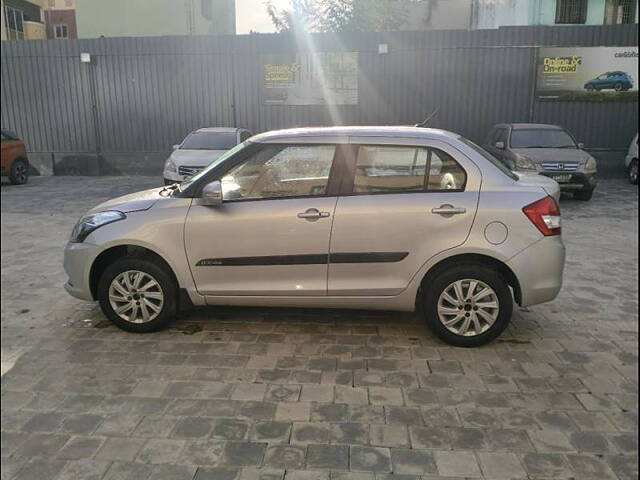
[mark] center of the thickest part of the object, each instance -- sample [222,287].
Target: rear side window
[400,169]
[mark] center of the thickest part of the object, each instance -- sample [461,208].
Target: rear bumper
[577,180]
[539,270]
[78,258]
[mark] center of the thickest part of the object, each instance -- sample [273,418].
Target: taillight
[545,214]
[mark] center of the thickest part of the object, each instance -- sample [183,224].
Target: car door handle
[448,210]
[313,214]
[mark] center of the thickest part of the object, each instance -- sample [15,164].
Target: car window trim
[333,181]
[347,184]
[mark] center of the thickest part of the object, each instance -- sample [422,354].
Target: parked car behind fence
[547,150]
[200,148]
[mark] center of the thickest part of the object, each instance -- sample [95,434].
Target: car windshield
[499,165]
[541,138]
[209,141]
[229,153]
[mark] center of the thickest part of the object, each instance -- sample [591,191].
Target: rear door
[399,206]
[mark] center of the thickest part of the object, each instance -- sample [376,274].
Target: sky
[252,15]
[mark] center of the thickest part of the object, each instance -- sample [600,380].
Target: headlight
[169,166]
[591,164]
[89,223]
[525,163]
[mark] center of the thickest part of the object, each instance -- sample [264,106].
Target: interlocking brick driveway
[270,394]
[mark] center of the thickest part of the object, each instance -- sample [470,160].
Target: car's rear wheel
[468,305]
[19,173]
[633,172]
[137,295]
[583,195]
[618,87]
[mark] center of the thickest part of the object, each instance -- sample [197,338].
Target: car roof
[360,131]
[530,126]
[217,130]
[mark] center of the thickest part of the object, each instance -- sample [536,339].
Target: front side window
[532,138]
[400,169]
[281,172]
[209,141]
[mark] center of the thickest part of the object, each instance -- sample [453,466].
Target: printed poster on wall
[597,74]
[323,78]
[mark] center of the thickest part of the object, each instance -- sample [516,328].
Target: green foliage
[345,15]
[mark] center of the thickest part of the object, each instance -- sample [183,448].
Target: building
[438,15]
[498,13]
[60,18]
[22,20]
[134,18]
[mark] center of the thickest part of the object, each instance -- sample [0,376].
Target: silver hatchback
[385,218]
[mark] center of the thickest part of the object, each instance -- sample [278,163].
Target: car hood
[134,202]
[539,155]
[530,179]
[195,158]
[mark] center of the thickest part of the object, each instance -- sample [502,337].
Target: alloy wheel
[633,173]
[468,307]
[136,296]
[20,173]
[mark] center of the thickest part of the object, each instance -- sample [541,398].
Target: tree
[301,16]
[342,15]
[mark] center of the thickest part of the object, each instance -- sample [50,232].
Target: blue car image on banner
[587,74]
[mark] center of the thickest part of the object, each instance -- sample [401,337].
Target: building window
[14,23]
[571,11]
[52,3]
[619,11]
[61,31]
[68,3]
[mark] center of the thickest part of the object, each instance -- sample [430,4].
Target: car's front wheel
[467,305]
[618,87]
[137,295]
[633,172]
[19,173]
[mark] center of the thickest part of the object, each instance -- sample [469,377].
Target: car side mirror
[212,194]
[500,145]
[580,145]
[175,147]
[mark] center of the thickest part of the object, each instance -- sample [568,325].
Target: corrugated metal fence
[145,94]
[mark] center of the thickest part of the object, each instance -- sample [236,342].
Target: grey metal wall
[145,94]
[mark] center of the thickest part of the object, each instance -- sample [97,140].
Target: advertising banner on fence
[588,74]
[324,78]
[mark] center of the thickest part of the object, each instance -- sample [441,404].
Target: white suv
[387,218]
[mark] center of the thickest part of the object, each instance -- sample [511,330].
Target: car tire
[126,283]
[618,87]
[589,88]
[19,173]
[442,286]
[633,172]
[583,195]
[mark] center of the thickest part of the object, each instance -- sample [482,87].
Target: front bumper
[78,258]
[172,177]
[539,270]
[572,181]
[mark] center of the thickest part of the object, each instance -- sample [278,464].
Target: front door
[406,204]
[271,234]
